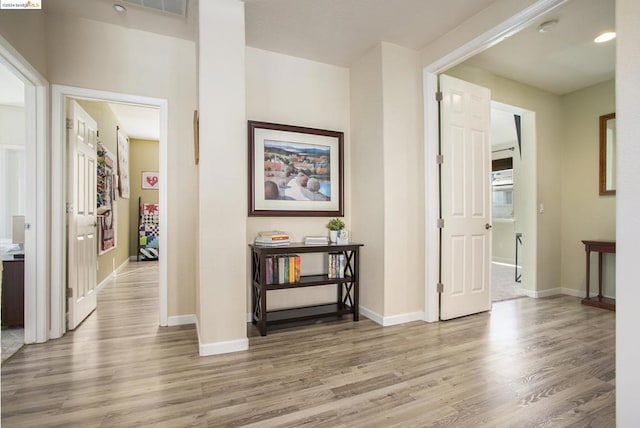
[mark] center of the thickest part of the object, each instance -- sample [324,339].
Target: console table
[600,247]
[347,296]
[12,291]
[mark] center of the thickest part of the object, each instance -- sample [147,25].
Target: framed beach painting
[295,171]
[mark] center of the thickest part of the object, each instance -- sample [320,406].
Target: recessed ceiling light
[547,26]
[119,8]
[605,37]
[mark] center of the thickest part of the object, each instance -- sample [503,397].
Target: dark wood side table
[12,292]
[347,301]
[600,247]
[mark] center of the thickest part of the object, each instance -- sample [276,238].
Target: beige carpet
[503,284]
[12,341]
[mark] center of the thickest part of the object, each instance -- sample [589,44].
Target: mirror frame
[603,154]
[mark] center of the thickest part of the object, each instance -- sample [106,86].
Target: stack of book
[315,240]
[273,238]
[336,265]
[282,269]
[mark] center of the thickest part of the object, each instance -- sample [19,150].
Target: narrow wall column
[222,178]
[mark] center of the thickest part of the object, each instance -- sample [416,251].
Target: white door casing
[465,198]
[81,215]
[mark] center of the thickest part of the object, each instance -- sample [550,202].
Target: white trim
[181,320]
[392,319]
[58,193]
[430,86]
[36,321]
[502,261]
[249,318]
[208,349]
[373,316]
[112,275]
[403,318]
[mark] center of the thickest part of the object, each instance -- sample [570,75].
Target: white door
[81,215]
[465,198]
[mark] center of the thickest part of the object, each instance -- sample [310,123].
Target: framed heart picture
[150,180]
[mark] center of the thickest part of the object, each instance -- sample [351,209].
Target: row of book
[335,268]
[282,269]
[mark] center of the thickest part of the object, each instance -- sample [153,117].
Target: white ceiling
[135,17]
[137,122]
[11,88]
[563,60]
[340,31]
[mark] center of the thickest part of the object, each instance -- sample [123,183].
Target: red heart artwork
[152,180]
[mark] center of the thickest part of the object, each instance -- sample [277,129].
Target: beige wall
[403,171]
[107,123]
[143,156]
[585,214]
[367,164]
[107,57]
[295,91]
[12,125]
[546,154]
[25,30]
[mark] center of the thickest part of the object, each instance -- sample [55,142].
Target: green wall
[143,157]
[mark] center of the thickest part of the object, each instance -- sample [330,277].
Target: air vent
[173,7]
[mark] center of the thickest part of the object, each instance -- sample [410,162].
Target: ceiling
[136,17]
[340,31]
[136,121]
[562,60]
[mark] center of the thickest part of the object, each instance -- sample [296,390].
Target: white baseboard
[133,258]
[249,318]
[556,291]
[503,261]
[216,348]
[112,275]
[373,316]
[181,320]
[392,319]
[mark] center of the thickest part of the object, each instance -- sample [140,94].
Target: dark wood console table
[348,292]
[12,291]
[600,247]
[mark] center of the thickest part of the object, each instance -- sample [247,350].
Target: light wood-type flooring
[528,363]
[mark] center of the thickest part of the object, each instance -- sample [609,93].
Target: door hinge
[438,96]
[439,159]
[69,123]
[69,292]
[440,223]
[440,287]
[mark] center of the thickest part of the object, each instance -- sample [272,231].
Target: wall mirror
[608,154]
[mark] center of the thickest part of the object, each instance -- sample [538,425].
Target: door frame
[36,308]
[430,74]
[58,192]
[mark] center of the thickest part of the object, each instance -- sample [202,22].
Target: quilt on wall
[148,231]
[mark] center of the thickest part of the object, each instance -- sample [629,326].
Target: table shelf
[347,287]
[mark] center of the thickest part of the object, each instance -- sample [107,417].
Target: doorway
[60,96]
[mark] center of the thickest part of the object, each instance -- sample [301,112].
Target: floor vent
[173,7]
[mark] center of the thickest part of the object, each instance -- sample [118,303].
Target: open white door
[465,125]
[81,215]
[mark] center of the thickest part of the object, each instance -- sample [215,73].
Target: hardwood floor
[545,362]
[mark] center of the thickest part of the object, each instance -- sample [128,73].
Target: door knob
[488,226]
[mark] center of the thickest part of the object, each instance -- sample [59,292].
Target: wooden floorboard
[527,363]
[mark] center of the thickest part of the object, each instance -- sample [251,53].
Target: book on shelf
[284,269]
[315,240]
[335,268]
[273,235]
[267,242]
